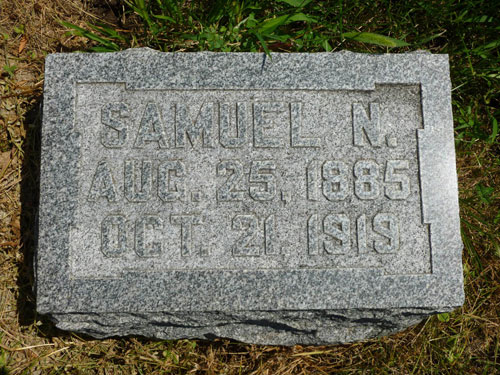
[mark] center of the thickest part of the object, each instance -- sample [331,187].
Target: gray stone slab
[311,198]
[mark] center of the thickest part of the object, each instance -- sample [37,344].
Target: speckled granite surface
[311,198]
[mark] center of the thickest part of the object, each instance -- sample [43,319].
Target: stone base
[319,327]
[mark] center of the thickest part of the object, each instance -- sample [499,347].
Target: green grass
[464,341]
[468,31]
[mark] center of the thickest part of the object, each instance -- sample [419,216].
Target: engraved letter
[113,243]
[167,191]
[240,119]
[295,128]
[148,225]
[387,226]
[151,128]
[187,222]
[262,122]
[138,191]
[369,125]
[115,133]
[337,226]
[102,184]
[199,130]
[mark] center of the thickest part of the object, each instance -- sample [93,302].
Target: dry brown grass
[469,342]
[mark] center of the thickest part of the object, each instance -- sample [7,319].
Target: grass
[465,341]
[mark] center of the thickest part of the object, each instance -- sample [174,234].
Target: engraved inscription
[248,244]
[214,179]
[333,235]
[266,115]
[261,180]
[337,227]
[337,185]
[244,245]
[386,225]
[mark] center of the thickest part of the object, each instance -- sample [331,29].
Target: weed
[3,363]
[10,69]
[228,25]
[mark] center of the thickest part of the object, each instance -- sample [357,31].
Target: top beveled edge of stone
[146,50]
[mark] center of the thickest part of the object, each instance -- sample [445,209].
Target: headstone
[303,198]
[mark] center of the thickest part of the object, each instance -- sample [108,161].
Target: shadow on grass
[30,193]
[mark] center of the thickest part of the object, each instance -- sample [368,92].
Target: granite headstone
[303,198]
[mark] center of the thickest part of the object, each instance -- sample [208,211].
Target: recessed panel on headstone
[307,198]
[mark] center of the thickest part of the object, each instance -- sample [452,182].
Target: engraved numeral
[334,180]
[335,183]
[312,176]
[338,229]
[366,185]
[386,225]
[393,177]
[245,245]
[228,192]
[335,237]
[261,171]
[269,237]
[361,234]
